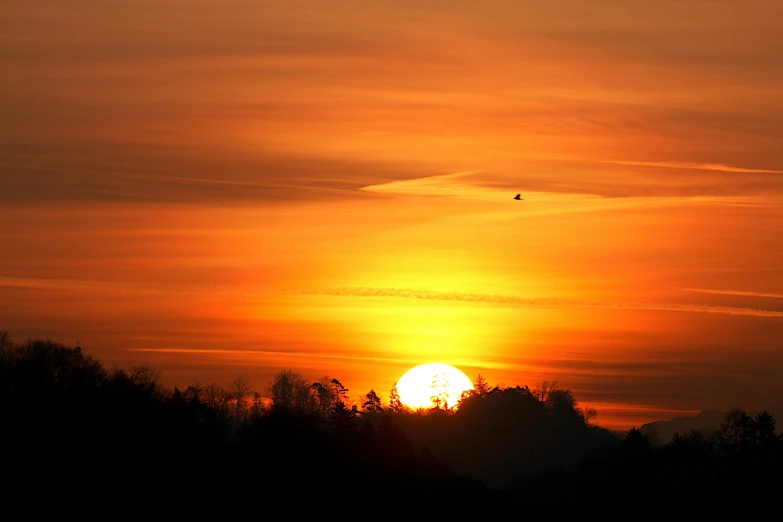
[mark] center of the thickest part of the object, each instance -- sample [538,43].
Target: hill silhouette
[77,436]
[663,431]
[508,432]
[80,433]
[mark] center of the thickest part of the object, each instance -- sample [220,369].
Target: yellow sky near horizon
[231,187]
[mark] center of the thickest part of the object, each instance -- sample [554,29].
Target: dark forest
[78,436]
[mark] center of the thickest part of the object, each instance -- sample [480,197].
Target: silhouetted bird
[518,197]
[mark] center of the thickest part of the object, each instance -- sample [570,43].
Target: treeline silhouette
[74,432]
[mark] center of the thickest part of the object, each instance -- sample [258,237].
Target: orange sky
[227,188]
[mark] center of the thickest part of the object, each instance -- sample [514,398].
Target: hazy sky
[226,188]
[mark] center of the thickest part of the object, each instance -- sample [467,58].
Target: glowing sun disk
[432,384]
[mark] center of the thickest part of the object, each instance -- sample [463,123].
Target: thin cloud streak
[465,185]
[452,184]
[43,283]
[539,301]
[316,355]
[266,353]
[716,167]
[732,292]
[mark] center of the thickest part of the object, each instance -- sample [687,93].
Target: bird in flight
[518,197]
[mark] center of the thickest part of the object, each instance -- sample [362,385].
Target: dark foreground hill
[509,432]
[77,438]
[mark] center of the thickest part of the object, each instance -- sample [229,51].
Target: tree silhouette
[372,404]
[288,390]
[193,393]
[257,407]
[440,391]
[217,400]
[5,342]
[588,415]
[763,430]
[735,431]
[395,404]
[344,418]
[480,386]
[636,444]
[240,388]
[340,391]
[146,378]
[544,389]
[562,406]
[320,397]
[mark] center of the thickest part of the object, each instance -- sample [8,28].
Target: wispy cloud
[405,293]
[72,284]
[716,167]
[143,173]
[542,199]
[129,287]
[732,292]
[456,184]
[267,354]
[284,357]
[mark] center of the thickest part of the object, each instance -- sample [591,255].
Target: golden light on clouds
[249,186]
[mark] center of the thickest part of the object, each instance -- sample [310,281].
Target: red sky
[227,188]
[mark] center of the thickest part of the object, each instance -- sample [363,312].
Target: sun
[432,384]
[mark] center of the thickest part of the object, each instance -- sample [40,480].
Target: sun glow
[432,384]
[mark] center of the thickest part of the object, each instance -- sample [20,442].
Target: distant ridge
[662,431]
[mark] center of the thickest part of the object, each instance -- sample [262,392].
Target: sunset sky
[224,188]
